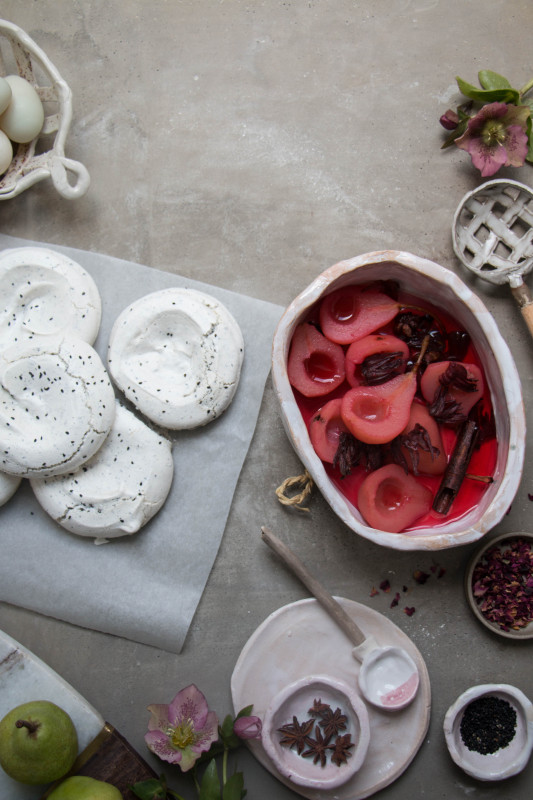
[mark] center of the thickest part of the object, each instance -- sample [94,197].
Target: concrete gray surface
[251,145]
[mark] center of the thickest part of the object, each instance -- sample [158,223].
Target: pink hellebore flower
[248,727]
[496,137]
[180,732]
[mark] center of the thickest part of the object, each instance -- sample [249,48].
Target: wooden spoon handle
[334,609]
[522,295]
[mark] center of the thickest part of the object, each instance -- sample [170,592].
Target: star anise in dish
[317,747]
[296,733]
[318,707]
[333,721]
[341,749]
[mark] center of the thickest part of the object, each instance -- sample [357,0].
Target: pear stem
[422,353]
[32,727]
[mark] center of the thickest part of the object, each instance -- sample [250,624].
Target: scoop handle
[61,168]
[334,609]
[523,297]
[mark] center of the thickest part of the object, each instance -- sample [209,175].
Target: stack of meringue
[95,466]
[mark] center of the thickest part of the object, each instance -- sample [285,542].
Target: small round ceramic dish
[489,570]
[44,156]
[504,762]
[316,732]
[443,289]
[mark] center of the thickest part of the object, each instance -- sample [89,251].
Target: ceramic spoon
[493,237]
[388,677]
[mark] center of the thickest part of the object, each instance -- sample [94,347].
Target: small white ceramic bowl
[505,762]
[443,289]
[44,156]
[295,700]
[502,541]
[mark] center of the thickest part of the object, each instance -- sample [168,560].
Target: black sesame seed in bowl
[488,731]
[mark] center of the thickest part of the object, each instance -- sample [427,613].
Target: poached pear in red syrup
[387,404]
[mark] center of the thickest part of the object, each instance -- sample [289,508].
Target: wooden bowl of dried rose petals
[402,400]
[316,732]
[499,585]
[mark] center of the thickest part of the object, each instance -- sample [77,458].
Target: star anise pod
[333,721]
[341,749]
[318,708]
[317,747]
[296,733]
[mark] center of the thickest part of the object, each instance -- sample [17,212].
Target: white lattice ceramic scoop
[493,237]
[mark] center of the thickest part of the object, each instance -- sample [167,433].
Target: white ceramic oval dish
[442,288]
[296,700]
[501,541]
[505,762]
[44,156]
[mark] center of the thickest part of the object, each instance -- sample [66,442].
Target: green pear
[38,742]
[81,787]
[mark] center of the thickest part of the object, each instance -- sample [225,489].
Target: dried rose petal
[420,576]
[395,600]
[409,611]
[385,586]
[373,592]
[502,584]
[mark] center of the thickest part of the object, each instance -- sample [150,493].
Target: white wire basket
[43,157]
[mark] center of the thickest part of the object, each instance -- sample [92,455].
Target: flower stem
[525,89]
[225,766]
[195,778]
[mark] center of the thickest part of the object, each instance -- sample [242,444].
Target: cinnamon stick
[457,466]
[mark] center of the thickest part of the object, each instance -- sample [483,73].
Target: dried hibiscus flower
[444,408]
[381,367]
[352,453]
[416,440]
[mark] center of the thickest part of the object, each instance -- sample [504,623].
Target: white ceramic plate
[301,639]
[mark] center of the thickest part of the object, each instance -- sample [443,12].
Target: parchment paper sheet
[144,587]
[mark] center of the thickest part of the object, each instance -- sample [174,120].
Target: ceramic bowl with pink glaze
[300,765]
[443,289]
